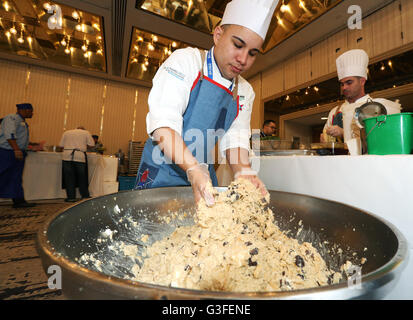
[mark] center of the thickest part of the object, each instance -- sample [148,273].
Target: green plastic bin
[390,134]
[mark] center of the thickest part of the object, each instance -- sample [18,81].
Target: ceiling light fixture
[85,46]
[75,15]
[13,30]
[21,38]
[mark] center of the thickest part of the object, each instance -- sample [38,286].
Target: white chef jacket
[169,97]
[76,139]
[348,110]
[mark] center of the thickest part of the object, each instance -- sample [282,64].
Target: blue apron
[211,110]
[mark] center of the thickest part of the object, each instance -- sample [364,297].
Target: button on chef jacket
[14,127]
[177,88]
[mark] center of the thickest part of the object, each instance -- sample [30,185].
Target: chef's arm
[174,147]
[238,159]
[17,152]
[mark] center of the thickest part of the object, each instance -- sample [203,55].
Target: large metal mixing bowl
[76,230]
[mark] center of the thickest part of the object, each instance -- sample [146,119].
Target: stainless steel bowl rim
[399,260]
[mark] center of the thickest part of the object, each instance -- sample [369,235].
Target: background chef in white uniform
[352,69]
[237,42]
[74,162]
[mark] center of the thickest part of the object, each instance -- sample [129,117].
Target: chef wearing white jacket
[352,69]
[197,93]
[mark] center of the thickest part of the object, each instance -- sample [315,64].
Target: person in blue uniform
[14,140]
[198,97]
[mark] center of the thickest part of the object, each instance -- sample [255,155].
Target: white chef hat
[253,14]
[353,63]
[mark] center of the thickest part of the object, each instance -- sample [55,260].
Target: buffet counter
[42,175]
[381,185]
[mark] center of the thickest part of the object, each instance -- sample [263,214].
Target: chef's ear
[218,32]
[363,81]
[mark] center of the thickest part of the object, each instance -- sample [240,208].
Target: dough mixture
[234,246]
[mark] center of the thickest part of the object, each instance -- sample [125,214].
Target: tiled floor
[21,274]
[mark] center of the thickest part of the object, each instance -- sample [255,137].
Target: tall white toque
[252,14]
[353,63]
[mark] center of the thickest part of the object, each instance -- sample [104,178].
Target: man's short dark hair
[268,122]
[95,136]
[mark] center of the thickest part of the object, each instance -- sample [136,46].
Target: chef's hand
[18,154]
[251,175]
[335,131]
[198,176]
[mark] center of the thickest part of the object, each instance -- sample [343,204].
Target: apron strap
[72,154]
[234,91]
[202,52]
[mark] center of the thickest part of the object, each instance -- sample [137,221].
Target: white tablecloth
[42,175]
[381,185]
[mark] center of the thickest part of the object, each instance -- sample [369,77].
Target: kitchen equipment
[330,148]
[390,134]
[272,144]
[134,156]
[368,110]
[291,152]
[67,235]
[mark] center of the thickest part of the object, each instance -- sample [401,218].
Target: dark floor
[21,274]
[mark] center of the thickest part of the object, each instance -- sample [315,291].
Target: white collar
[217,75]
[360,100]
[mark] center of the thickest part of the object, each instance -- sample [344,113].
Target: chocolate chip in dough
[252,263]
[254,252]
[299,262]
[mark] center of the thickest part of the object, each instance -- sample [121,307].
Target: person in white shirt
[74,162]
[352,69]
[199,96]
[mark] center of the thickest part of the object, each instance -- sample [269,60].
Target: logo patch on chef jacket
[241,102]
[146,176]
[175,73]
